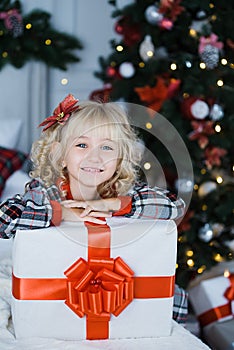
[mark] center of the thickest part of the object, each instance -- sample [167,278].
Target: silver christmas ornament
[201,15]
[146,49]
[216,112]
[210,56]
[184,185]
[188,64]
[126,69]
[205,233]
[206,187]
[152,15]
[199,109]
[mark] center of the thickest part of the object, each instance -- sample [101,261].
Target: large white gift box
[79,281]
[212,300]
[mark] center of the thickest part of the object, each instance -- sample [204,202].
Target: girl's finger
[74,204]
[99,214]
[86,211]
[94,220]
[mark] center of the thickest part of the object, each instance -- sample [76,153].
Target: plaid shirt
[180,305]
[34,210]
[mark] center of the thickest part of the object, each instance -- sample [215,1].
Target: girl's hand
[95,208]
[77,214]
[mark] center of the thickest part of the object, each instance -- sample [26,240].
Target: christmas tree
[177,58]
[31,36]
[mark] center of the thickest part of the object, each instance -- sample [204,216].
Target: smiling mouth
[92,170]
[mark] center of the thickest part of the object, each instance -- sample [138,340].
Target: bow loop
[229,293]
[61,113]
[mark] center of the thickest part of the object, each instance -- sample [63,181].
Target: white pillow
[10,132]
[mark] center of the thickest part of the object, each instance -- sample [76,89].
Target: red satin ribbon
[222,311]
[214,314]
[56,288]
[86,295]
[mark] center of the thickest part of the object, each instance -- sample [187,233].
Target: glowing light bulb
[218,257]
[218,128]
[28,26]
[64,81]
[189,253]
[201,269]
[219,179]
[147,166]
[148,125]
[220,82]
[150,53]
[119,48]
[202,65]
[188,64]
[48,42]
[224,61]
[203,171]
[173,66]
[192,32]
[190,262]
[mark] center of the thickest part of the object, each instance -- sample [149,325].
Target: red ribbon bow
[62,112]
[211,40]
[8,15]
[99,287]
[229,293]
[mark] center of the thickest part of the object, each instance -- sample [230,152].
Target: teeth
[92,170]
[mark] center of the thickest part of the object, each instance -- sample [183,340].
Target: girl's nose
[94,154]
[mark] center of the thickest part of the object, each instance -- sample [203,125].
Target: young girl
[85,169]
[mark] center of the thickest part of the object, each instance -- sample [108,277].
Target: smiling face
[91,159]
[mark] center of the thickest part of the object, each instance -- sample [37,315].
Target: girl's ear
[55,147]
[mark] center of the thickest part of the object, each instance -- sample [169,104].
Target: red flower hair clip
[61,113]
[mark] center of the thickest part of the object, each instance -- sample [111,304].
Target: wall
[32,92]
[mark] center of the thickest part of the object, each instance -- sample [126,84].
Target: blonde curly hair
[48,159]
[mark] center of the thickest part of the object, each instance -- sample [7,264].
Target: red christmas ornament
[110,72]
[101,95]
[171,9]
[131,31]
[166,23]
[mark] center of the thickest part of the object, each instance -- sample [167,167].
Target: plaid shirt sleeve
[31,210]
[154,203]
[180,305]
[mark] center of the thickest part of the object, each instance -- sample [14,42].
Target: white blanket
[180,338]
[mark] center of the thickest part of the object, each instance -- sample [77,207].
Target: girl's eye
[81,145]
[107,148]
